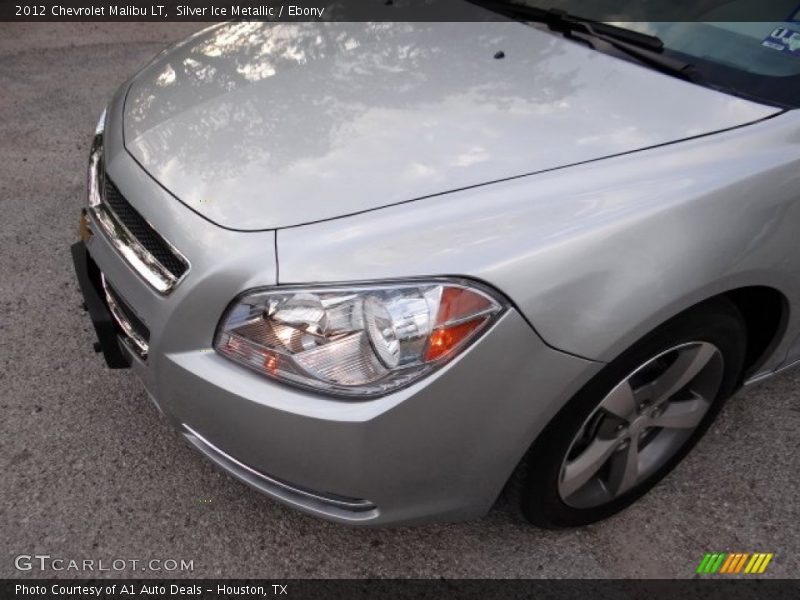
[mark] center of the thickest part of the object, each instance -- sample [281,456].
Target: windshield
[756,60]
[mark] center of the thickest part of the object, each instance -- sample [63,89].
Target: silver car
[384,272]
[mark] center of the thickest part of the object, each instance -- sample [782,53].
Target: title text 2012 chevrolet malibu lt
[383,272]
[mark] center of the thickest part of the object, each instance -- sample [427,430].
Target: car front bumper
[442,448]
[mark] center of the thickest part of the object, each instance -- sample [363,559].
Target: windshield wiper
[647,49]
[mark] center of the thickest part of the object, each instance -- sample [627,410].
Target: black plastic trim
[103,322]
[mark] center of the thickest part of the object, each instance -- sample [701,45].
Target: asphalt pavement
[89,470]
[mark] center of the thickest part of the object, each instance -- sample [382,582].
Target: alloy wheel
[640,424]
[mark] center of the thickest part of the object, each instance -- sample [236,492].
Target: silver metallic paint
[351,509]
[258,125]
[441,448]
[593,255]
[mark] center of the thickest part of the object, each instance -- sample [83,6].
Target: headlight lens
[356,341]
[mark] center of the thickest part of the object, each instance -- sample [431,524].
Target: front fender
[594,255]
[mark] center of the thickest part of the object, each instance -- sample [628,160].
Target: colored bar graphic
[718,563]
[727,564]
[741,562]
[734,562]
[711,562]
[703,563]
[764,564]
[754,563]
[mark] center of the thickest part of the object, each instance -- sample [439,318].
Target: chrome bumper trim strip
[136,343]
[345,508]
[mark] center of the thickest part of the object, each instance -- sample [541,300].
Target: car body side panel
[793,355]
[594,255]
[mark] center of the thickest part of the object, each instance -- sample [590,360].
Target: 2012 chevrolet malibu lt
[385,272]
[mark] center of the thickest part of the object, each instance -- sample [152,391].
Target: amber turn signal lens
[445,340]
[456,303]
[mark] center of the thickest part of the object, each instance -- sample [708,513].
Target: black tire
[532,490]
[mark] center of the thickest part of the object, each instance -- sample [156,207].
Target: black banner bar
[715,588]
[385,10]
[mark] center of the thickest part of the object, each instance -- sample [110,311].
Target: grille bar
[134,331]
[143,231]
[150,255]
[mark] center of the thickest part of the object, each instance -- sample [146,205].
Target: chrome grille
[156,260]
[142,231]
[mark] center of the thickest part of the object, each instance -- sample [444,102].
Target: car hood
[260,126]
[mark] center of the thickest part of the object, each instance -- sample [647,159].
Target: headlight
[95,182]
[355,340]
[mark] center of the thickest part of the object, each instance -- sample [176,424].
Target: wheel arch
[765,308]
[765,311]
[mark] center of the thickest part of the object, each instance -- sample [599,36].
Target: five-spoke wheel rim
[640,424]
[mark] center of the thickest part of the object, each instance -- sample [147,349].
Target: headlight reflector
[355,340]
